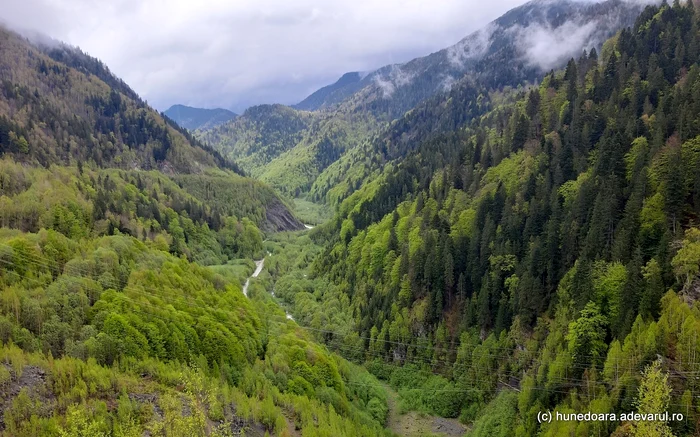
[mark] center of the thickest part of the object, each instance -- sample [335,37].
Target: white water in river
[258,268]
[308,226]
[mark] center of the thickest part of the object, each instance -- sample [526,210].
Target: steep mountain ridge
[516,47]
[288,148]
[513,50]
[259,135]
[56,99]
[58,106]
[349,82]
[542,255]
[553,30]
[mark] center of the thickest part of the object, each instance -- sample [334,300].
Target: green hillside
[288,148]
[61,106]
[326,141]
[258,136]
[113,336]
[123,246]
[522,243]
[539,255]
[347,140]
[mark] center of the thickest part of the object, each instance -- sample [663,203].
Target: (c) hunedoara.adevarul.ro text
[548,417]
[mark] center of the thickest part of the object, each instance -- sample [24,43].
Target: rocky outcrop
[280,218]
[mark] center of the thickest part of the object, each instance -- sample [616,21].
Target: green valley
[288,148]
[124,243]
[538,256]
[458,245]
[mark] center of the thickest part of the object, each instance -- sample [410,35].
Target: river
[258,268]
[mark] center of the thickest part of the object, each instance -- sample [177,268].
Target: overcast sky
[236,53]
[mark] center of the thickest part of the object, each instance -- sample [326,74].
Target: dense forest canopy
[493,253]
[547,243]
[60,105]
[117,337]
[318,149]
[289,148]
[123,246]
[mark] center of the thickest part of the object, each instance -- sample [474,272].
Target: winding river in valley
[258,268]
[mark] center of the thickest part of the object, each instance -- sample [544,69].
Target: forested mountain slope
[518,46]
[113,336]
[64,110]
[540,256]
[58,106]
[513,50]
[319,98]
[198,118]
[436,116]
[289,148]
[260,135]
[121,310]
[300,152]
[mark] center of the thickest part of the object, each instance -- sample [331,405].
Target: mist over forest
[350,219]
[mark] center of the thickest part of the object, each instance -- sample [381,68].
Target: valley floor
[291,250]
[416,424]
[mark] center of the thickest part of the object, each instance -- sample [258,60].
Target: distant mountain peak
[198,118]
[317,99]
[350,77]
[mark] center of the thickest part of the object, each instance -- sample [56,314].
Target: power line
[414,360]
[570,381]
[122,284]
[141,290]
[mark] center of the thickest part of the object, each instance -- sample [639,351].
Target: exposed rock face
[33,380]
[279,218]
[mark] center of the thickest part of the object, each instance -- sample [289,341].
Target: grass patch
[236,270]
[312,213]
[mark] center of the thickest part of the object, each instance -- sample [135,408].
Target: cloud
[387,86]
[447,83]
[393,77]
[547,47]
[472,47]
[397,78]
[236,53]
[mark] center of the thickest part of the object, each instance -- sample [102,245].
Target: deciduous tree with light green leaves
[653,397]
[686,263]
